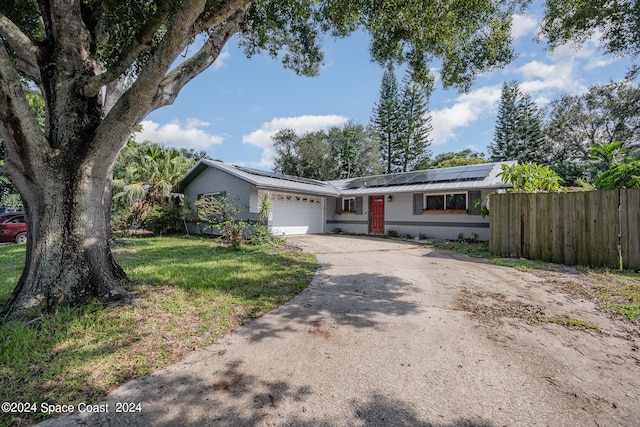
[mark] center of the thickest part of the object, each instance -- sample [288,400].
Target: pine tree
[414,138]
[402,123]
[530,135]
[504,142]
[387,120]
[518,134]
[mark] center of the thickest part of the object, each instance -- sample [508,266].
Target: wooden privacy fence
[593,228]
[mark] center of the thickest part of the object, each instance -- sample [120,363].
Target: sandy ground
[394,334]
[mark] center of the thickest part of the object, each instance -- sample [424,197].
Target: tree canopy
[616,23]
[339,152]
[581,129]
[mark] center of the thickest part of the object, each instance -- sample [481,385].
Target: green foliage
[619,176]
[630,311]
[402,123]
[266,203]
[573,323]
[11,199]
[531,178]
[387,119]
[355,149]
[451,159]
[144,177]
[473,249]
[468,38]
[416,126]
[262,235]
[392,233]
[617,24]
[518,134]
[221,214]
[584,130]
[284,143]
[608,154]
[162,219]
[339,152]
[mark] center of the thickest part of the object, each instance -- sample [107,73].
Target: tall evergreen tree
[505,137]
[530,131]
[518,134]
[414,139]
[402,123]
[387,119]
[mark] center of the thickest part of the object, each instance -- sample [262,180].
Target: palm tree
[146,175]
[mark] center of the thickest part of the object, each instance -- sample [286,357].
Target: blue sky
[232,109]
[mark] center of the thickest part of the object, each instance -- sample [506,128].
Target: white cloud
[538,76]
[468,108]
[174,134]
[220,60]
[521,25]
[302,124]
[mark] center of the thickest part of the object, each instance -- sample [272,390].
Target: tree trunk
[68,259]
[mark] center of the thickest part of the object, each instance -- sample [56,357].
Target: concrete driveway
[394,334]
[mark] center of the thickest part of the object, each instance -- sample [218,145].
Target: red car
[13,227]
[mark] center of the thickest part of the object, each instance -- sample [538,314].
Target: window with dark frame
[446,202]
[349,204]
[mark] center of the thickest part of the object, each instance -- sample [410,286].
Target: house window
[208,197]
[450,203]
[209,203]
[348,205]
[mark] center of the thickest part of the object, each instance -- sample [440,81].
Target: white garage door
[297,214]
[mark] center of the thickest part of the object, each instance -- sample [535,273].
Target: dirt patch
[491,307]
[320,328]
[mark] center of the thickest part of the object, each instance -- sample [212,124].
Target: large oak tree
[103,65]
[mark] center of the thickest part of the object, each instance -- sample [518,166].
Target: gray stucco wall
[238,192]
[348,223]
[400,218]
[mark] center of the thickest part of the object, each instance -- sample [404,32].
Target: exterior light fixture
[389,198]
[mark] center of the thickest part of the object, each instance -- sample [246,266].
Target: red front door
[376,214]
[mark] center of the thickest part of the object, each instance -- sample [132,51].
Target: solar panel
[480,171]
[458,173]
[267,174]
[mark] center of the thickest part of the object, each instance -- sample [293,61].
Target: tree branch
[26,51]
[143,41]
[142,97]
[134,104]
[213,18]
[173,82]
[23,138]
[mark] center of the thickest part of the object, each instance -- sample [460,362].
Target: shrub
[621,175]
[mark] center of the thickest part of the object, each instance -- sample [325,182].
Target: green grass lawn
[190,292]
